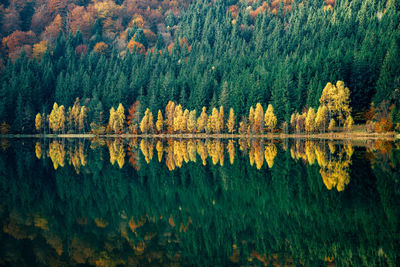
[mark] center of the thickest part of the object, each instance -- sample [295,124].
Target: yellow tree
[202,121]
[270,118]
[321,118]
[332,125]
[160,122]
[178,118]
[213,121]
[184,121]
[293,121]
[258,126]
[38,122]
[337,100]
[146,124]
[191,123]
[231,121]
[119,124]
[310,121]
[251,120]
[53,117]
[220,122]
[61,119]
[349,123]
[111,120]
[169,114]
[83,114]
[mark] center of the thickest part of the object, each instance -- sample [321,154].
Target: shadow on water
[116,202]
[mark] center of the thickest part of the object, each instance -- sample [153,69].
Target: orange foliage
[134,225]
[330,3]
[17,39]
[139,47]
[184,41]
[328,7]
[138,20]
[234,10]
[170,46]
[384,125]
[100,47]
[56,6]
[53,29]
[171,221]
[81,19]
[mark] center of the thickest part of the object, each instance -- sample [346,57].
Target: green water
[72,202]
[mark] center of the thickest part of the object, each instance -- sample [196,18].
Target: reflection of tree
[57,154]
[152,216]
[117,152]
[334,163]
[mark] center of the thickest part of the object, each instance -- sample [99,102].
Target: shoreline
[391,136]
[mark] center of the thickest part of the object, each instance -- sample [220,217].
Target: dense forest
[211,54]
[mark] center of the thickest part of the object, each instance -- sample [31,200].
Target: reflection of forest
[195,208]
[334,159]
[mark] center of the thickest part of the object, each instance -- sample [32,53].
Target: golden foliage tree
[310,121]
[57,118]
[202,121]
[258,126]
[160,122]
[251,120]
[146,125]
[169,114]
[101,48]
[38,122]
[270,119]
[39,49]
[332,125]
[321,118]
[191,122]
[231,121]
[337,100]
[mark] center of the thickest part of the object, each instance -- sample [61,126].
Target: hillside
[199,54]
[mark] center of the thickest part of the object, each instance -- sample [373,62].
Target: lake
[219,202]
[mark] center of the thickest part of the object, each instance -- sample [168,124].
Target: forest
[83,66]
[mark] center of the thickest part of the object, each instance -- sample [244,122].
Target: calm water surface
[141,202]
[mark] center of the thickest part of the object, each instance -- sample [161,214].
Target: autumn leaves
[333,113]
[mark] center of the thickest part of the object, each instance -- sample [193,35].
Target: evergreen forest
[203,56]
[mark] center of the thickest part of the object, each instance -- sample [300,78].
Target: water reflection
[199,202]
[333,157]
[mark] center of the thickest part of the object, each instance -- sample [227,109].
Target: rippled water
[199,202]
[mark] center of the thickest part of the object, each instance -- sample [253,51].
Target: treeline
[333,111]
[223,54]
